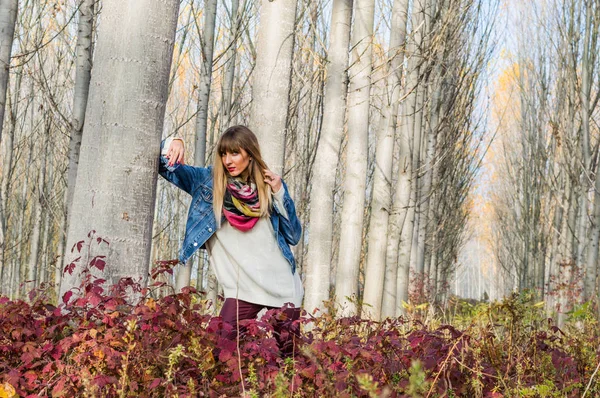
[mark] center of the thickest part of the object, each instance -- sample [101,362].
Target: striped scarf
[240,205]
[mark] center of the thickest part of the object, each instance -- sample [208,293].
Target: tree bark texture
[346,291]
[210,15]
[116,181]
[381,205]
[320,237]
[229,78]
[8,18]
[412,127]
[271,79]
[83,69]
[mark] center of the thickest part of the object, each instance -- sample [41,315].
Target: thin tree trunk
[590,267]
[83,71]
[552,259]
[8,18]
[416,188]
[400,229]
[46,236]
[116,180]
[320,238]
[346,290]
[271,79]
[83,68]
[210,14]
[592,256]
[381,205]
[428,123]
[20,255]
[34,258]
[7,177]
[566,263]
[428,180]
[413,132]
[227,89]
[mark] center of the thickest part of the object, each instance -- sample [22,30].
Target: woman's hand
[176,152]
[273,180]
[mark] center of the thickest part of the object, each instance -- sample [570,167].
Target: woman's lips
[231,169]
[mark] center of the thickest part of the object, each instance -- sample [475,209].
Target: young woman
[243,215]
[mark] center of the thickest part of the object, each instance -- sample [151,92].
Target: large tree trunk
[346,290]
[210,14]
[381,205]
[271,79]
[116,180]
[320,238]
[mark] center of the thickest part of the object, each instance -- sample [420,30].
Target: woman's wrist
[279,192]
[167,144]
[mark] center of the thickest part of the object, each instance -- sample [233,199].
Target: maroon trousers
[286,331]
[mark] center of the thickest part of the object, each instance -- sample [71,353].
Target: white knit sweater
[250,266]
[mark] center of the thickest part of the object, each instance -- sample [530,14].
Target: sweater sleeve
[278,201]
[166,145]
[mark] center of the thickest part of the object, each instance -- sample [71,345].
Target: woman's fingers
[177,156]
[176,153]
[273,180]
[181,156]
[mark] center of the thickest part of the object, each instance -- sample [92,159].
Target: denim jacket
[201,223]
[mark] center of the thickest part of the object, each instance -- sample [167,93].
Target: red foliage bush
[98,344]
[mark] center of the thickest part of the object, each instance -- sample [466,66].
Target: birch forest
[368,110]
[441,154]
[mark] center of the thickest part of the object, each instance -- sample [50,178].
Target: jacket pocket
[206,193]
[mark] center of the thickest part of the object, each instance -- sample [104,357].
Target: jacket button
[209,229]
[195,243]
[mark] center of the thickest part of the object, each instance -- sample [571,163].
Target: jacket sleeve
[289,224]
[183,176]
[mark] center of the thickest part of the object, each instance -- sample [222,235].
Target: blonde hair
[232,140]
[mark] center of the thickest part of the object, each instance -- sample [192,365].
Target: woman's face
[235,162]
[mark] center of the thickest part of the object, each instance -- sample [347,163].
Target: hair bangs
[229,143]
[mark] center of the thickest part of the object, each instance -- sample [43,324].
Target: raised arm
[172,167]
